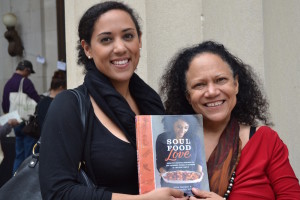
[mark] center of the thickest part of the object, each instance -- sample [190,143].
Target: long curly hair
[251,107]
[88,20]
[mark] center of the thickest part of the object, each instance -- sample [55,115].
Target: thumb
[177,193]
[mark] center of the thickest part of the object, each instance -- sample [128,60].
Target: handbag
[31,127]
[25,183]
[21,102]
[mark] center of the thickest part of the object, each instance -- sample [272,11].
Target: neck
[122,88]
[19,72]
[53,93]
[214,129]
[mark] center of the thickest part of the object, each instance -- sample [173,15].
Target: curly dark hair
[192,120]
[87,21]
[251,106]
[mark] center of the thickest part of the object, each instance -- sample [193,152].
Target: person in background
[109,48]
[58,84]
[24,143]
[6,128]
[246,159]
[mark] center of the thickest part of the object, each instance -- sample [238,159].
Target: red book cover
[171,152]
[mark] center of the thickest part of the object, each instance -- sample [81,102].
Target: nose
[119,46]
[212,90]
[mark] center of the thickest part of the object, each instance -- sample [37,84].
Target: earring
[89,57]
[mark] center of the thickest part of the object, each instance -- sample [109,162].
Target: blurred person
[24,143]
[4,151]
[58,84]
[7,127]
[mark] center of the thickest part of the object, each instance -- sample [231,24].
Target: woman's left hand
[201,194]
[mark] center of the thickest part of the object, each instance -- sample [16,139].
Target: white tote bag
[22,103]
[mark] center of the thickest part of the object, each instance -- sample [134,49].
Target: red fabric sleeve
[264,170]
[282,177]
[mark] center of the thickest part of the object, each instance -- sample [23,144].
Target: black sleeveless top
[114,161]
[252,131]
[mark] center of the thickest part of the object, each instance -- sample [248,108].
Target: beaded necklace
[230,185]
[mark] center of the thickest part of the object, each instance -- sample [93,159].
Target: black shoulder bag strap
[85,163]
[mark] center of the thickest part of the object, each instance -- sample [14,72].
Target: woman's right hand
[165,194]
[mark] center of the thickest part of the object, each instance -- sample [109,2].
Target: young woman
[110,42]
[244,160]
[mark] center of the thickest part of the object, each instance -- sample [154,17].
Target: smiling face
[180,128]
[212,89]
[114,45]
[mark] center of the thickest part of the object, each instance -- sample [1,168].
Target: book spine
[145,154]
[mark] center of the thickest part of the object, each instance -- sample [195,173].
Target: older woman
[244,160]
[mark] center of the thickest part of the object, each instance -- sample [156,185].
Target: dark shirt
[113,161]
[41,110]
[12,85]
[162,153]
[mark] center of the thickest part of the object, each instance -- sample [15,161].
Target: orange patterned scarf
[223,160]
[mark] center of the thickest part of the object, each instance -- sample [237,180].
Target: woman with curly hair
[246,159]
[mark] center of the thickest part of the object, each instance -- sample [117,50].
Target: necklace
[230,185]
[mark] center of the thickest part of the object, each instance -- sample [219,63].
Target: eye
[222,80]
[199,86]
[128,36]
[106,40]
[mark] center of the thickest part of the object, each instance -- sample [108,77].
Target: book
[170,151]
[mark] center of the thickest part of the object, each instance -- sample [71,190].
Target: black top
[162,151]
[252,131]
[41,110]
[113,161]
[121,156]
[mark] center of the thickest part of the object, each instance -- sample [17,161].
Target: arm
[60,154]
[6,128]
[5,100]
[29,89]
[160,153]
[281,175]
[61,151]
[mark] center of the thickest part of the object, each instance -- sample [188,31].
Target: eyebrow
[109,33]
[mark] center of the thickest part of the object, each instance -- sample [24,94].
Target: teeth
[120,62]
[214,104]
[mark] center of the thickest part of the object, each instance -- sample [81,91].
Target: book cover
[171,152]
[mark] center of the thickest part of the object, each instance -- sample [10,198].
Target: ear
[236,84]
[86,48]
[140,41]
[188,97]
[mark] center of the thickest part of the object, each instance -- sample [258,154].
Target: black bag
[25,185]
[31,127]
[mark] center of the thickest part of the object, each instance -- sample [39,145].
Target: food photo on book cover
[177,146]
